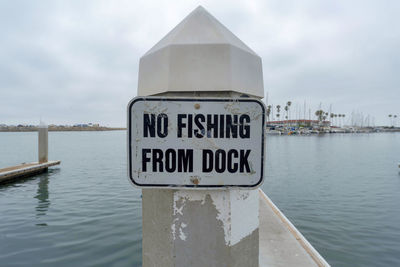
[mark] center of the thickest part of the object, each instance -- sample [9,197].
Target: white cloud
[77,61]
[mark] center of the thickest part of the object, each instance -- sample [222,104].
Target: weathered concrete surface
[200,54]
[249,246]
[281,244]
[22,165]
[200,57]
[43,141]
[11,173]
[201,239]
[157,217]
[199,228]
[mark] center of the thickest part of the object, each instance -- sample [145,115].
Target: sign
[196,142]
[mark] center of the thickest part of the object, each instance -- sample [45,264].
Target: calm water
[341,192]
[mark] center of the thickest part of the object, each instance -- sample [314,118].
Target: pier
[24,170]
[281,244]
[12,173]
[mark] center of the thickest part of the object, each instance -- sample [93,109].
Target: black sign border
[184,99]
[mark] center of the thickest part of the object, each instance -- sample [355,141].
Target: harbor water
[340,190]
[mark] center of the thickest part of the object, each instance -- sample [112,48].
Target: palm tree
[390,119]
[278,109]
[343,117]
[286,117]
[268,112]
[320,114]
[326,115]
[288,104]
[394,120]
[332,115]
[286,109]
[317,113]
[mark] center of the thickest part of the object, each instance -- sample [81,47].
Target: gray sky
[77,61]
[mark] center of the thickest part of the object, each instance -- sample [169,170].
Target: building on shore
[299,123]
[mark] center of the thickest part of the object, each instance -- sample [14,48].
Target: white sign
[196,142]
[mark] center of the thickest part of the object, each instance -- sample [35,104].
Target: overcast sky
[77,61]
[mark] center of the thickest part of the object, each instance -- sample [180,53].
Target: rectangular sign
[196,142]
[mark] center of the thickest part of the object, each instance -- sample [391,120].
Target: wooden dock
[27,169]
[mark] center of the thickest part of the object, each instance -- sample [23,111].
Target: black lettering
[190,125]
[157,159]
[244,131]
[232,167]
[181,124]
[244,162]
[198,120]
[162,119]
[207,160]
[149,125]
[212,126]
[145,159]
[220,160]
[185,160]
[221,126]
[231,127]
[170,157]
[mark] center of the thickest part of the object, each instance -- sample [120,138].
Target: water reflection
[42,194]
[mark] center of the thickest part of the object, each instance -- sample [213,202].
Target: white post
[202,58]
[43,149]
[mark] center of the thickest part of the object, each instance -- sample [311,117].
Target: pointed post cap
[200,54]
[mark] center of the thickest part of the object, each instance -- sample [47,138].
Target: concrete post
[43,149]
[200,57]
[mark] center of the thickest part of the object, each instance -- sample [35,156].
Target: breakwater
[58,128]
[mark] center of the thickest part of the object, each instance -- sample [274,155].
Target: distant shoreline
[330,130]
[60,129]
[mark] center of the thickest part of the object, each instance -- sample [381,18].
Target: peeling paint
[237,210]
[245,211]
[173,230]
[182,235]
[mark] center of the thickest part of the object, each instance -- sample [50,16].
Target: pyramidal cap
[200,54]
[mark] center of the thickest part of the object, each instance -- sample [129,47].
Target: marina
[208,171]
[326,130]
[50,218]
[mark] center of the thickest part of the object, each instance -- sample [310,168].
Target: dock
[12,173]
[281,244]
[23,170]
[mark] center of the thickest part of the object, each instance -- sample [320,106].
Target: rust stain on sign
[195,180]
